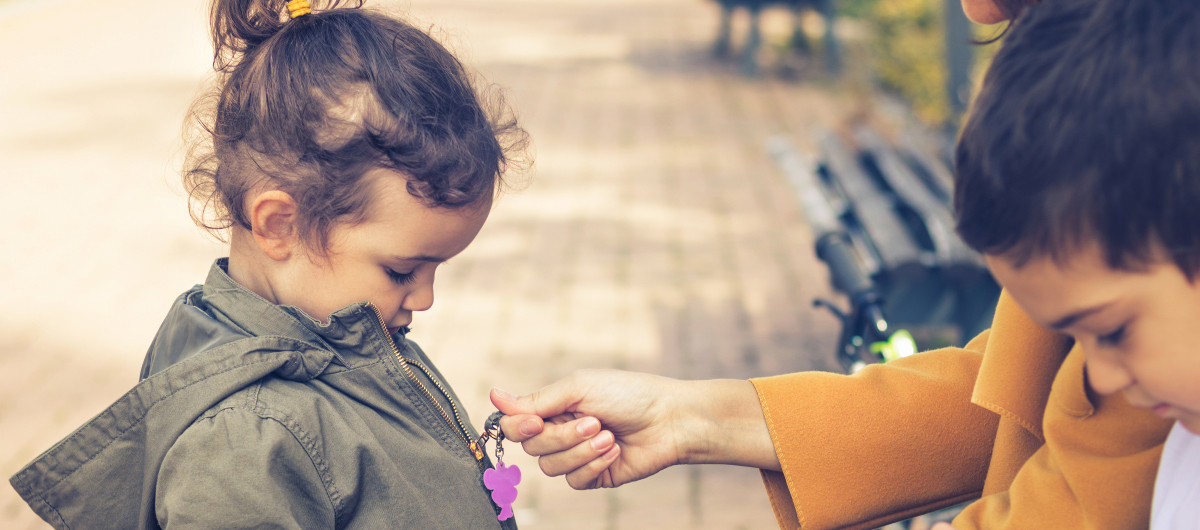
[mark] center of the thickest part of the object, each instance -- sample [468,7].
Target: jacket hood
[124,445]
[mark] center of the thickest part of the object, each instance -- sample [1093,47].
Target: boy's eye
[1113,338]
[402,278]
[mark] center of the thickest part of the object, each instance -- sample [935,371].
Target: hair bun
[239,26]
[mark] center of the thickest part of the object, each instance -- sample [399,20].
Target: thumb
[520,421]
[561,396]
[511,405]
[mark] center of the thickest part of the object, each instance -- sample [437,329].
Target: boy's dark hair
[1088,129]
[309,105]
[1013,8]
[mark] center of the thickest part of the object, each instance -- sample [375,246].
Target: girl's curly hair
[308,106]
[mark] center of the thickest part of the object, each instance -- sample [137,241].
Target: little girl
[349,157]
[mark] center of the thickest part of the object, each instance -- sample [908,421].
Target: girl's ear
[273,222]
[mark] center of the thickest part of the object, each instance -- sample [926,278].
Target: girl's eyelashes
[402,278]
[1112,338]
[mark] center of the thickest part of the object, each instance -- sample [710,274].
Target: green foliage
[856,8]
[908,49]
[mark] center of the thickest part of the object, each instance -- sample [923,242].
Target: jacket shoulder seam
[307,442]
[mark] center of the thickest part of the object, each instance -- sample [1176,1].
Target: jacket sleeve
[237,468]
[890,442]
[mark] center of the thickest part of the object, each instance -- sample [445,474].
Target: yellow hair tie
[298,8]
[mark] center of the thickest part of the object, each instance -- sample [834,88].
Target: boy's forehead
[1056,292]
[1049,289]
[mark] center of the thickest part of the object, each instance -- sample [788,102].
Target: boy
[1083,193]
[1079,179]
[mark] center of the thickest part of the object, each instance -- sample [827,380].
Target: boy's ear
[273,222]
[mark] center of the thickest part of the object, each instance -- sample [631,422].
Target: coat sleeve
[890,442]
[236,468]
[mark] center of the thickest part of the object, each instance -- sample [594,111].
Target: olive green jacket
[251,414]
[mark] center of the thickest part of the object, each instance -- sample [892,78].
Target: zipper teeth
[457,416]
[404,365]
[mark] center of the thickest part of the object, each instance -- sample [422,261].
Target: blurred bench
[892,204]
[798,41]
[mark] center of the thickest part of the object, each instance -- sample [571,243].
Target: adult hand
[605,428]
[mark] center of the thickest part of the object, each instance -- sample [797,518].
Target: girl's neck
[249,266]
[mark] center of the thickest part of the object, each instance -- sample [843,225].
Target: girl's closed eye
[401,278]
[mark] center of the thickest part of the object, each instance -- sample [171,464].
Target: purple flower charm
[503,482]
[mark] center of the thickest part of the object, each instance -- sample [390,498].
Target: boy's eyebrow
[1072,318]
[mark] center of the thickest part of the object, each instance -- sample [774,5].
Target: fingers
[558,437]
[575,457]
[523,415]
[519,422]
[595,474]
[942,526]
[521,427]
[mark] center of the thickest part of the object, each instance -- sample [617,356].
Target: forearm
[721,422]
[890,442]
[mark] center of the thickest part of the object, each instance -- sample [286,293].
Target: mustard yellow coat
[1008,420]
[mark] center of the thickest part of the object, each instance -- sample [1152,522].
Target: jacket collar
[353,333]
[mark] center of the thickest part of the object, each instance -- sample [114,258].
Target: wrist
[721,422]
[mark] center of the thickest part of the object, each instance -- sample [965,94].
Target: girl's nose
[1105,375]
[419,299]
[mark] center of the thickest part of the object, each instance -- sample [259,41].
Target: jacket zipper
[406,366]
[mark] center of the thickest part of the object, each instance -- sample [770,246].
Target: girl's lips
[1161,409]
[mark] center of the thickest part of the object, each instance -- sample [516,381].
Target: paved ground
[654,235]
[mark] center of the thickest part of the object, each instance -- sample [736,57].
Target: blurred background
[655,232]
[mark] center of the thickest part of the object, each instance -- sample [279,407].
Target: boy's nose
[1106,376]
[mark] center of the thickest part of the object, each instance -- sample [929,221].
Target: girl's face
[388,260]
[1137,329]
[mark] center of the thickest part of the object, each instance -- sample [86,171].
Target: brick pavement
[654,235]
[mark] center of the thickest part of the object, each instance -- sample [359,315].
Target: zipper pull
[491,430]
[478,445]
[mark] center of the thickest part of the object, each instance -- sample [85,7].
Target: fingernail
[612,452]
[588,427]
[505,395]
[601,442]
[529,427]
